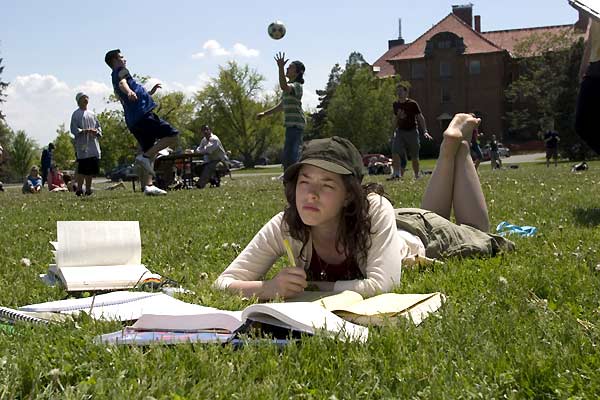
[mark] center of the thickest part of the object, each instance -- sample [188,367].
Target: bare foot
[461,127]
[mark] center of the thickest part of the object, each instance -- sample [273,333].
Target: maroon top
[319,270]
[407,112]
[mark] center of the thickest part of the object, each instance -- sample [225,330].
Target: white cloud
[213,48]
[241,50]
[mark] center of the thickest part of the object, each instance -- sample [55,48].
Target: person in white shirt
[346,236]
[213,151]
[86,130]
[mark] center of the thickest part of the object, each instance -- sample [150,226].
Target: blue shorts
[151,128]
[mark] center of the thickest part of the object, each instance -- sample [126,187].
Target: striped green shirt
[292,106]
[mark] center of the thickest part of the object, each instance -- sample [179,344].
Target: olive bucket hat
[335,154]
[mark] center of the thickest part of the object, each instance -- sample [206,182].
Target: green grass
[522,325]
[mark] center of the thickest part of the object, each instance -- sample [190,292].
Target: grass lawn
[522,325]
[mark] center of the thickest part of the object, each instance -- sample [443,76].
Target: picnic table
[182,164]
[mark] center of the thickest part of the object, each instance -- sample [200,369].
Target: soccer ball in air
[276,30]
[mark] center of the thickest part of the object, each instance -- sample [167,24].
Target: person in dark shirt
[494,155]
[46,162]
[152,133]
[551,139]
[408,117]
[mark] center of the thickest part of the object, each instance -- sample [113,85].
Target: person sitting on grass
[33,182]
[345,236]
[55,180]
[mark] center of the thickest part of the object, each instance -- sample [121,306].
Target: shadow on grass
[587,216]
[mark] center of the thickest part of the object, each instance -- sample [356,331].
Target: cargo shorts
[443,238]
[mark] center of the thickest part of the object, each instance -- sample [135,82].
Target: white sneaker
[154,191]
[145,163]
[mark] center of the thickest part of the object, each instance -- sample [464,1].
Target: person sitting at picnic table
[213,151]
[344,236]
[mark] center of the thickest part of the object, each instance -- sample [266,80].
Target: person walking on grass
[494,154]
[152,133]
[408,117]
[347,236]
[551,139]
[290,82]
[86,130]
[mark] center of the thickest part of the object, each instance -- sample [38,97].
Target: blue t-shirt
[37,181]
[134,110]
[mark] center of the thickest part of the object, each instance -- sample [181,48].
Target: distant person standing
[152,133]
[476,153]
[494,155]
[213,151]
[551,139]
[406,136]
[86,130]
[46,162]
[291,105]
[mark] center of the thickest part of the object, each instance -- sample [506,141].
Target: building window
[445,70]
[417,70]
[446,98]
[474,67]
[444,44]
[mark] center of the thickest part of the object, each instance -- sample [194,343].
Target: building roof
[507,39]
[387,69]
[475,42]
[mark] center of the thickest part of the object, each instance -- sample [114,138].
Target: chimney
[478,23]
[399,41]
[464,12]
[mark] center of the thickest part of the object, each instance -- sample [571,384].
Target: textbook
[98,255]
[303,317]
[160,312]
[377,310]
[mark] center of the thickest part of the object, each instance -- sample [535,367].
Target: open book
[160,312]
[379,309]
[98,255]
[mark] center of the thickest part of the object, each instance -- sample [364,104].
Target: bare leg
[415,165]
[468,200]
[88,184]
[80,182]
[439,192]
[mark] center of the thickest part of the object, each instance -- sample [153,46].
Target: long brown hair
[354,230]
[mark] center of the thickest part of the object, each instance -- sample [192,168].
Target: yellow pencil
[290,254]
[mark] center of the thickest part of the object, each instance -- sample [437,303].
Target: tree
[3,86]
[6,138]
[64,151]
[318,119]
[178,110]
[24,154]
[544,92]
[229,104]
[117,144]
[360,108]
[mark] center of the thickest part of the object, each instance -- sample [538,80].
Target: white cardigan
[382,268]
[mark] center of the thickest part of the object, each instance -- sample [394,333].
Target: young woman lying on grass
[345,236]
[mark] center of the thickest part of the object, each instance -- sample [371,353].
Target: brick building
[455,67]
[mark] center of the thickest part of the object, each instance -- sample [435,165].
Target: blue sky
[53,49]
